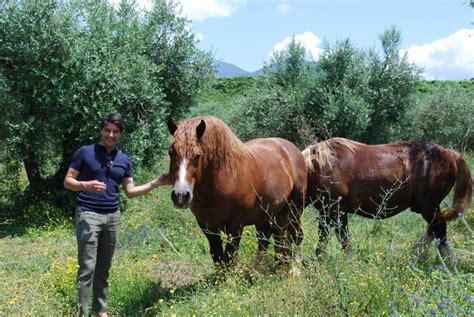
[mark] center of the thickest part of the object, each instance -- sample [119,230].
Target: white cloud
[283,8]
[307,39]
[448,58]
[203,9]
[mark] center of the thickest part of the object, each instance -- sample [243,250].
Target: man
[96,172]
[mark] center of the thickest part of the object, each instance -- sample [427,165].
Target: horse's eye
[196,159]
[171,151]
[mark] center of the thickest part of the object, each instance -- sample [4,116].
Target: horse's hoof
[420,257]
[294,272]
[348,253]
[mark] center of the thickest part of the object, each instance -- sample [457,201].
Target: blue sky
[437,34]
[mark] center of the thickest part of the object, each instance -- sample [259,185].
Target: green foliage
[275,106]
[337,106]
[445,115]
[65,64]
[224,90]
[362,95]
[392,82]
[218,97]
[347,93]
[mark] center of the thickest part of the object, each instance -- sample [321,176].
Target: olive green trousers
[96,235]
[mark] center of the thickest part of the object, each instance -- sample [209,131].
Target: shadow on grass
[149,302]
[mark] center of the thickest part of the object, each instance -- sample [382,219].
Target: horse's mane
[219,144]
[323,152]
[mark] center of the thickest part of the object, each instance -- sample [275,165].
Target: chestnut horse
[229,184]
[380,181]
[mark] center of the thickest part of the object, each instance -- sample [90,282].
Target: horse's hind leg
[422,246]
[287,253]
[264,232]
[437,228]
[295,237]
[288,234]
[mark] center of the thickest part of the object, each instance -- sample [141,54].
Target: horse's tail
[462,190]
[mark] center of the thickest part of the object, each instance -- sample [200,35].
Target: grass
[162,267]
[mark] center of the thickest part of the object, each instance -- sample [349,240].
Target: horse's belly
[218,217]
[383,201]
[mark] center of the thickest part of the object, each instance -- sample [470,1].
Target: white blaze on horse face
[182,184]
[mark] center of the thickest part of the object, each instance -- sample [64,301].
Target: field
[163,267]
[65,64]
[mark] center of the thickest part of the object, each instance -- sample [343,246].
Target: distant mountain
[230,70]
[257,72]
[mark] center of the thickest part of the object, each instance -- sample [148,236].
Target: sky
[437,35]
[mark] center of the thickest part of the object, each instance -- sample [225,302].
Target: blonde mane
[323,153]
[218,144]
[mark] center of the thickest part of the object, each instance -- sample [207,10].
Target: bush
[275,106]
[445,116]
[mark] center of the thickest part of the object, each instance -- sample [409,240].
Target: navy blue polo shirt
[93,163]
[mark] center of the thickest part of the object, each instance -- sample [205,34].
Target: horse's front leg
[342,231]
[234,234]
[324,228]
[215,244]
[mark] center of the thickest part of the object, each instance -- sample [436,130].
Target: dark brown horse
[379,181]
[229,184]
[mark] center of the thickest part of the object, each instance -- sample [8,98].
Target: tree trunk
[32,170]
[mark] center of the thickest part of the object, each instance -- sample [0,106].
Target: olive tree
[391,87]
[65,64]
[337,106]
[275,106]
[362,94]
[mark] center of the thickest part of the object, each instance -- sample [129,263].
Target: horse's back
[279,149]
[282,165]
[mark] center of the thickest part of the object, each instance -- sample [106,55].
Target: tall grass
[163,267]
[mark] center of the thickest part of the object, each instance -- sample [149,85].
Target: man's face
[110,134]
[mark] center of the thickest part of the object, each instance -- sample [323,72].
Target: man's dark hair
[113,117]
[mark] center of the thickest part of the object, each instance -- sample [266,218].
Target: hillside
[230,70]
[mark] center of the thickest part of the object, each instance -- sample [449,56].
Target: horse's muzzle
[181,199]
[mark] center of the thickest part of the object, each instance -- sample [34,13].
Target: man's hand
[94,186]
[162,180]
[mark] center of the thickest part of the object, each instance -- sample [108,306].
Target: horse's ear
[172,127]
[200,129]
